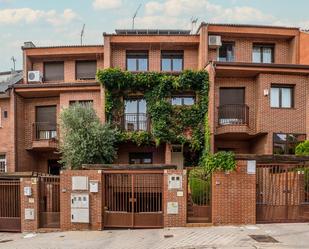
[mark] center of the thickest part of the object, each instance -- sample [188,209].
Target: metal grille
[3,167]
[10,205]
[49,206]
[282,193]
[135,122]
[233,114]
[133,199]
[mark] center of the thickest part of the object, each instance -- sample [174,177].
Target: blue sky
[54,22]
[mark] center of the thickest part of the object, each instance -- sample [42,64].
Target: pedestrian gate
[133,199]
[282,193]
[10,206]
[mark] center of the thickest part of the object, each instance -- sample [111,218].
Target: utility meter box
[175,181]
[27,191]
[79,183]
[29,214]
[79,208]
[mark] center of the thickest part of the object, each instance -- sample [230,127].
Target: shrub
[302,149]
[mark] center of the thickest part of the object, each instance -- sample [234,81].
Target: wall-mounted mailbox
[29,214]
[94,186]
[27,191]
[251,167]
[175,181]
[79,183]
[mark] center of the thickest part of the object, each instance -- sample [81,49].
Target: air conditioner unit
[214,41]
[34,76]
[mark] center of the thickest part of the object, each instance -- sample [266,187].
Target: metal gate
[133,199]
[199,200]
[49,202]
[10,206]
[282,193]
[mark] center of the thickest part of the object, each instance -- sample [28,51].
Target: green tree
[84,140]
[302,149]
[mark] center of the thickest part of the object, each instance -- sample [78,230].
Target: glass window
[82,102]
[135,115]
[54,71]
[137,61]
[226,51]
[172,61]
[140,158]
[86,70]
[3,166]
[183,100]
[263,53]
[281,96]
[286,143]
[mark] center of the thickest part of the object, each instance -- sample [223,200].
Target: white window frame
[5,163]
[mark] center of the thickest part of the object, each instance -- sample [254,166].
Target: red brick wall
[95,200]
[170,195]
[234,197]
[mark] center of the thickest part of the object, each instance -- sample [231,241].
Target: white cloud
[27,15]
[106,4]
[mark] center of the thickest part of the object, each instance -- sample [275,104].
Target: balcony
[233,114]
[44,136]
[135,122]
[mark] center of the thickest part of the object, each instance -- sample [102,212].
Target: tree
[84,140]
[302,149]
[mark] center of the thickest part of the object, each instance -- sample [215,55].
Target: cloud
[28,15]
[106,4]
[177,14]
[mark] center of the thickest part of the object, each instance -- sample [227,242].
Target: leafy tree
[84,140]
[302,149]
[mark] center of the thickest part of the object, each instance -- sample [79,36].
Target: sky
[59,22]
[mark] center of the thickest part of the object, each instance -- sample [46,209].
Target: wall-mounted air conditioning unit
[34,76]
[214,41]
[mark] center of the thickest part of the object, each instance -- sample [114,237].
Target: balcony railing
[44,131]
[135,122]
[233,114]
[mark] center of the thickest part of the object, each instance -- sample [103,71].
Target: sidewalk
[293,236]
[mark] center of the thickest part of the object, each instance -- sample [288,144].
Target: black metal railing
[135,122]
[44,131]
[233,114]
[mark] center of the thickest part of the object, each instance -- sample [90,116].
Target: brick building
[258,96]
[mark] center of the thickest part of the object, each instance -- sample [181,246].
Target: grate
[264,239]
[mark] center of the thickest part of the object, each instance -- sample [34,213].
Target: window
[183,100]
[137,61]
[45,126]
[172,61]
[263,53]
[54,71]
[226,51]
[284,143]
[281,96]
[86,70]
[3,167]
[232,96]
[140,158]
[135,115]
[82,102]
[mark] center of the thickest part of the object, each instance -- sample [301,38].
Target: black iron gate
[133,199]
[10,206]
[49,202]
[282,193]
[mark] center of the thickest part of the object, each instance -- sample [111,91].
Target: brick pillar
[95,200]
[175,200]
[234,196]
[30,204]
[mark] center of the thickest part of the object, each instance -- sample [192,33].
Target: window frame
[182,99]
[241,88]
[172,54]
[280,95]
[143,155]
[81,61]
[52,62]
[233,51]
[5,163]
[134,54]
[261,46]
[287,143]
[80,101]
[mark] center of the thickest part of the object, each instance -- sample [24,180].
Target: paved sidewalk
[295,236]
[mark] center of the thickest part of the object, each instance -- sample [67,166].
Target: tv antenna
[193,23]
[135,14]
[82,35]
[14,62]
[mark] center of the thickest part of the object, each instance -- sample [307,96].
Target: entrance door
[54,167]
[177,155]
[133,200]
[282,193]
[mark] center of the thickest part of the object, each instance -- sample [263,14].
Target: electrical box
[172,208]
[94,186]
[29,214]
[175,181]
[27,191]
[251,167]
[79,208]
[79,183]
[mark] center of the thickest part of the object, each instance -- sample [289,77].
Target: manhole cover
[5,240]
[264,238]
